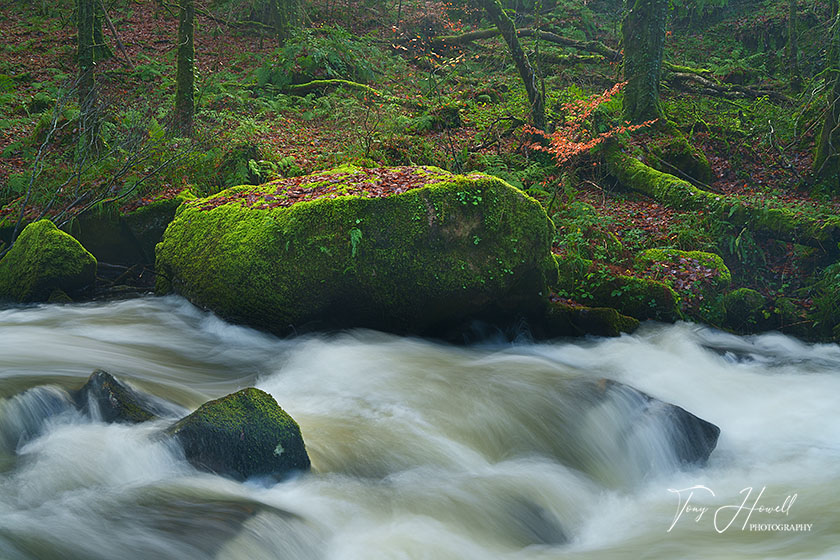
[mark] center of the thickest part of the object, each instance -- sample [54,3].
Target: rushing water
[419,450]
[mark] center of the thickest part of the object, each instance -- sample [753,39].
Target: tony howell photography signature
[771,516]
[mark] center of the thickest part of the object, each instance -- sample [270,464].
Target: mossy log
[596,47]
[323,85]
[729,91]
[776,223]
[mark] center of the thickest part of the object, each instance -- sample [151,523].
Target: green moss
[703,299]
[566,320]
[405,263]
[596,285]
[45,259]
[673,154]
[746,310]
[241,435]
[776,223]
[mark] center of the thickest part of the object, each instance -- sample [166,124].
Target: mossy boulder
[600,286]
[43,260]
[700,278]
[242,435]
[329,251]
[562,319]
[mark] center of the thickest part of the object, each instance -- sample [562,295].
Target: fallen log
[776,223]
[596,47]
[727,90]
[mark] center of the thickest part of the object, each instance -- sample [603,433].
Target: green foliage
[327,52]
[685,9]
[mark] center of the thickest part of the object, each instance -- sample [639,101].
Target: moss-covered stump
[242,435]
[45,260]
[599,286]
[566,320]
[701,279]
[399,249]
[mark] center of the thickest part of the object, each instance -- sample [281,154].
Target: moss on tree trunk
[185,78]
[85,51]
[827,157]
[644,40]
[793,48]
[526,72]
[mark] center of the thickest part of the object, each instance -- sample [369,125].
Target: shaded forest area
[695,145]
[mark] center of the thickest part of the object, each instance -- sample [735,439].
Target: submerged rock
[691,439]
[409,250]
[43,261]
[105,398]
[242,435]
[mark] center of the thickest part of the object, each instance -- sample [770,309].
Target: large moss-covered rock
[43,260]
[242,435]
[439,249]
[673,154]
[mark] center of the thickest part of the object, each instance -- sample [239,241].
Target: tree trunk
[185,78]
[101,50]
[827,157]
[526,72]
[644,40]
[793,48]
[85,46]
[284,16]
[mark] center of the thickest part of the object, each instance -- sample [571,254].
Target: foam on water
[420,450]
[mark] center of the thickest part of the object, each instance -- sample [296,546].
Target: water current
[420,450]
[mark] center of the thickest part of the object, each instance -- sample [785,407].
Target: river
[420,450]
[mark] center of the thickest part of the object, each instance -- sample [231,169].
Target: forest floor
[460,109]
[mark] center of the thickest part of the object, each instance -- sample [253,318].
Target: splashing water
[419,450]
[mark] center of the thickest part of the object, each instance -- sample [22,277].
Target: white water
[420,450]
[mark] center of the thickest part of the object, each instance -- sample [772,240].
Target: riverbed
[420,449]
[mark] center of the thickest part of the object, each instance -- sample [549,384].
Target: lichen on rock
[43,260]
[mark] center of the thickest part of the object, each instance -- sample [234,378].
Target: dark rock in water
[692,439]
[242,435]
[106,398]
